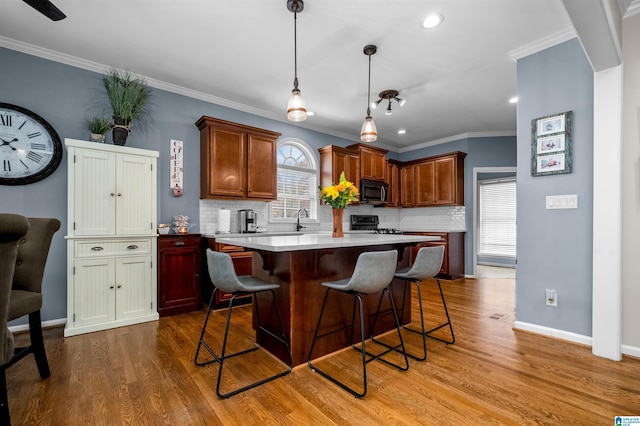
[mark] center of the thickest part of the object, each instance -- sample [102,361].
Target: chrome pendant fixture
[369,133]
[296,111]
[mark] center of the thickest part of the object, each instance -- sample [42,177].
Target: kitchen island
[299,264]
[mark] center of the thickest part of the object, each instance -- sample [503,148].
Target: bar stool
[224,278]
[426,266]
[373,273]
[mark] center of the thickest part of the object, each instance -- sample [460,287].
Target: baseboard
[45,324]
[631,351]
[552,332]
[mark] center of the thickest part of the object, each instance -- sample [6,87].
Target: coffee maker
[248,220]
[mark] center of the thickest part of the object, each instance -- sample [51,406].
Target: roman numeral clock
[30,149]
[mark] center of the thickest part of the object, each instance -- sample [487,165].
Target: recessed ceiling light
[513,100]
[402,131]
[432,20]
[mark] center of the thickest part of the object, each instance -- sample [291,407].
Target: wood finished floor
[145,375]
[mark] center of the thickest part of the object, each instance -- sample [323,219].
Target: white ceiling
[457,79]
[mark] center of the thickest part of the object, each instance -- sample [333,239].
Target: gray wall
[555,246]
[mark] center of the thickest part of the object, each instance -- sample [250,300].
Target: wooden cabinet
[439,180]
[453,262]
[407,186]
[242,263]
[237,161]
[178,273]
[334,160]
[111,247]
[393,180]
[373,162]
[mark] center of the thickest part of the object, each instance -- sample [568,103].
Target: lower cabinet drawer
[94,248]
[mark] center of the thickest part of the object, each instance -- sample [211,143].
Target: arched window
[297,182]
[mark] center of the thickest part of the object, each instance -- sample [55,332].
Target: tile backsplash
[409,219]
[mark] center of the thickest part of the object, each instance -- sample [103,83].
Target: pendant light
[369,133]
[296,110]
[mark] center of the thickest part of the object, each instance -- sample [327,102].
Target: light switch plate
[553,202]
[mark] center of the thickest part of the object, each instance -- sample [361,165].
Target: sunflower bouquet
[340,195]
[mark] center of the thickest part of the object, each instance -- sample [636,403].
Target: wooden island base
[300,274]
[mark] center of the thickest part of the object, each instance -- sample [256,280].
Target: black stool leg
[223,356]
[399,314]
[352,391]
[446,311]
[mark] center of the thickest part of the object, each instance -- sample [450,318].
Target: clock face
[30,149]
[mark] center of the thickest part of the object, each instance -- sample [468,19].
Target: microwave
[373,191]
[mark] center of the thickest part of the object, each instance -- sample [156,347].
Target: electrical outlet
[551,297]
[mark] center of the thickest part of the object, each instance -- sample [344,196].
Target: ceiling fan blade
[47,9]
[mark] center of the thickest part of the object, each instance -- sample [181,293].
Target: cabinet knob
[180,243]
[119,286]
[132,247]
[119,194]
[111,287]
[112,194]
[96,248]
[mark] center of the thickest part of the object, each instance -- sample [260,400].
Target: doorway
[480,174]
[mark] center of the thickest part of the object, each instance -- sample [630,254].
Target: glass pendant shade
[296,110]
[369,133]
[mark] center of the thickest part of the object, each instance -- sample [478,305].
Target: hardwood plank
[493,375]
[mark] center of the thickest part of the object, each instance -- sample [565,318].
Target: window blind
[497,222]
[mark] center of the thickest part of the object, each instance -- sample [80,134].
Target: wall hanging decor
[551,144]
[175,183]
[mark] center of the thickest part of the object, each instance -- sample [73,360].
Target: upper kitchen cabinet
[439,180]
[373,162]
[237,161]
[393,180]
[334,160]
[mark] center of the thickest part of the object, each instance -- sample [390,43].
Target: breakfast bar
[300,263]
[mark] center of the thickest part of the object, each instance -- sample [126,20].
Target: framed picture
[551,144]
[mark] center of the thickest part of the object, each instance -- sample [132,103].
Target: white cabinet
[112,193]
[111,248]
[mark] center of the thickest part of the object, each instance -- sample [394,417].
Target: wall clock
[30,149]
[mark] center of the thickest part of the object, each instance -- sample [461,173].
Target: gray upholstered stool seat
[373,273]
[426,266]
[224,278]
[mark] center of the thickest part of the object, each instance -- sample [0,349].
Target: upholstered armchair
[12,228]
[26,292]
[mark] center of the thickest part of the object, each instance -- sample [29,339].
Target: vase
[337,223]
[120,131]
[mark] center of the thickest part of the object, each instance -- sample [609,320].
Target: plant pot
[337,223]
[120,131]
[97,137]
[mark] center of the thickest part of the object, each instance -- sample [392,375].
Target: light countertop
[314,241]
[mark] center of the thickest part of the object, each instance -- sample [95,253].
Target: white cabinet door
[135,180]
[94,291]
[133,287]
[95,192]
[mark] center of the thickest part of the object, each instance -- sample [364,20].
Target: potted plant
[128,96]
[98,126]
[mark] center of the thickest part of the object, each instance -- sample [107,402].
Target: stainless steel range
[370,223]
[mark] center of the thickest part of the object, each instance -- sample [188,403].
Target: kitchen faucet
[306,213]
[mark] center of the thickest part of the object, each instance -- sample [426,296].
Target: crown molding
[88,65]
[543,43]
[458,137]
